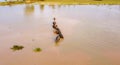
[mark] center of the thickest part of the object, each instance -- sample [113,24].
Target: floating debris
[37,50]
[17,47]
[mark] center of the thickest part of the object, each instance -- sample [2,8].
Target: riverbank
[81,3]
[11,3]
[64,3]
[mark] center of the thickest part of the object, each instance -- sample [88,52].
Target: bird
[57,39]
[54,18]
[56,31]
[59,32]
[54,23]
[55,26]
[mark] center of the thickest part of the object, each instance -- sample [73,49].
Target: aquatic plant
[37,50]
[17,47]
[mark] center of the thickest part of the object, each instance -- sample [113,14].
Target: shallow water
[91,34]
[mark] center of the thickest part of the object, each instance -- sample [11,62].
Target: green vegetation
[17,47]
[11,3]
[37,50]
[63,2]
[81,2]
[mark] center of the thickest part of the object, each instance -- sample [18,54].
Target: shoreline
[63,3]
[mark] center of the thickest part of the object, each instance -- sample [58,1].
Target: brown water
[92,35]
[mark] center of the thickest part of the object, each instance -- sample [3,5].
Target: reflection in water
[57,39]
[57,43]
[59,6]
[42,7]
[29,9]
[52,6]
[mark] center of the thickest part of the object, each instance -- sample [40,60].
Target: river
[91,34]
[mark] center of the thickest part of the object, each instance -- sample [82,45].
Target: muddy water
[91,35]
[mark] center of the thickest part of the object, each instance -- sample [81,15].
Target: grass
[17,47]
[11,3]
[67,2]
[37,50]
